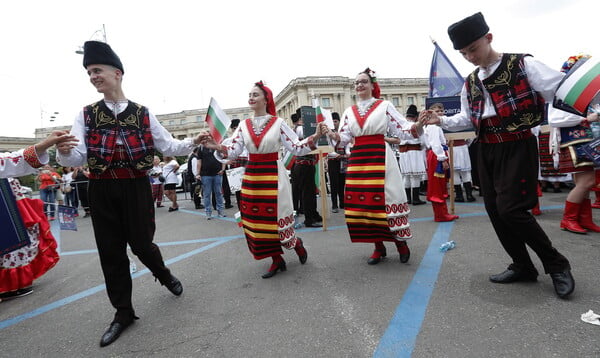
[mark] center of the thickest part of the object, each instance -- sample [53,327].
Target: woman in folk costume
[19,267]
[266,200]
[574,132]
[376,208]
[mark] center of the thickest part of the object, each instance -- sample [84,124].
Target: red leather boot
[596,203]
[536,210]
[301,251]
[378,254]
[403,250]
[277,265]
[440,212]
[585,216]
[570,220]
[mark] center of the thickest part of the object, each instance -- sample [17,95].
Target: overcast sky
[178,54]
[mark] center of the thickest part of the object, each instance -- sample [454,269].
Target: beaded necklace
[259,123]
[364,105]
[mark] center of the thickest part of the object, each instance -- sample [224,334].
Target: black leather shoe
[112,333]
[174,285]
[228,206]
[564,284]
[274,268]
[511,275]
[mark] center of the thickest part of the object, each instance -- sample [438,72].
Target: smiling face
[363,86]
[257,100]
[104,77]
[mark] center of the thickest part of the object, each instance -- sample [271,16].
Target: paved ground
[437,305]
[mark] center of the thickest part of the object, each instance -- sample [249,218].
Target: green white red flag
[579,87]
[218,121]
[322,114]
[288,160]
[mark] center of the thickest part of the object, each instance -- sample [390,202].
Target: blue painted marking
[57,304]
[400,337]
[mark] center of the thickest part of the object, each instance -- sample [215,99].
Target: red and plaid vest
[517,105]
[132,126]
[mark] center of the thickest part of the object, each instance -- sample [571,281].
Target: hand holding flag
[217,120]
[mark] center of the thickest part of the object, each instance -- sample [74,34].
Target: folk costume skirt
[19,268]
[375,202]
[266,206]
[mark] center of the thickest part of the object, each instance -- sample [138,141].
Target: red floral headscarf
[268,96]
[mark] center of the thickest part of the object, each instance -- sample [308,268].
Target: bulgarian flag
[217,120]
[579,87]
[322,114]
[288,160]
[319,114]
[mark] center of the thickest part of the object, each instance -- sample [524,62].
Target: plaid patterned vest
[517,105]
[132,126]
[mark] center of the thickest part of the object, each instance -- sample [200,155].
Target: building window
[326,102]
[182,121]
[199,119]
[424,100]
[396,101]
[410,100]
[171,122]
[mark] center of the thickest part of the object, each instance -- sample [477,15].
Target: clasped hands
[63,140]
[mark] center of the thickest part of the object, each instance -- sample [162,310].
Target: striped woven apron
[266,231]
[368,216]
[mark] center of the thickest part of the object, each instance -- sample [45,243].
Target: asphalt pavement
[436,305]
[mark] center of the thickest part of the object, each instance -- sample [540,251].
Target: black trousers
[304,182]
[196,192]
[508,175]
[337,180]
[123,213]
[226,190]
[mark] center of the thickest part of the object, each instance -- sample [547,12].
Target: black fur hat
[99,53]
[467,30]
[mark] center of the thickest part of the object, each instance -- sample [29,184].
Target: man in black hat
[303,181]
[117,139]
[337,162]
[503,99]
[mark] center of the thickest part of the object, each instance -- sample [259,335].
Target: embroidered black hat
[335,115]
[411,111]
[467,30]
[100,53]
